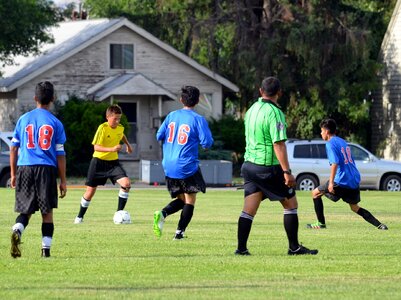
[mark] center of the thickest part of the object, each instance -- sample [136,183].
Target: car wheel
[5,181]
[392,183]
[306,182]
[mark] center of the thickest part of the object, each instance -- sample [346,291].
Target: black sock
[83,208]
[319,209]
[47,229]
[186,216]
[23,219]
[173,207]
[244,228]
[368,216]
[121,203]
[291,224]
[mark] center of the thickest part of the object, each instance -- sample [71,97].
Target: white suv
[5,144]
[310,166]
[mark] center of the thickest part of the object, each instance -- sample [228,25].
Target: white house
[112,60]
[386,109]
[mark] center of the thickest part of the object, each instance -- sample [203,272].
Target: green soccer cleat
[158,222]
[15,242]
[316,225]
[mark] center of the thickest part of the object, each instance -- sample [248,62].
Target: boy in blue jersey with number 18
[181,133]
[39,138]
[344,178]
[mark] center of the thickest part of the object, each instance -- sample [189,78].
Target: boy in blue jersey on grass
[39,137]
[181,134]
[344,179]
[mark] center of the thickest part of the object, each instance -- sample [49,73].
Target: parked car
[5,143]
[310,166]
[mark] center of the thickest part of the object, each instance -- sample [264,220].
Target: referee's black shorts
[266,179]
[100,170]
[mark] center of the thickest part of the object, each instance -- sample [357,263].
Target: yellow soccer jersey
[107,137]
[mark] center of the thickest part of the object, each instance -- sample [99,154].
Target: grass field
[101,260]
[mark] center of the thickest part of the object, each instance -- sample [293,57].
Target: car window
[358,153]
[4,146]
[302,151]
[322,151]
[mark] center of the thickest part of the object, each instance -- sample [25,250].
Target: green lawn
[101,260]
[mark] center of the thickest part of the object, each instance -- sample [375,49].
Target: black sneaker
[302,250]
[243,253]
[15,242]
[382,227]
[45,252]
[179,235]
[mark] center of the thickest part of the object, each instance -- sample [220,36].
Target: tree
[324,52]
[23,26]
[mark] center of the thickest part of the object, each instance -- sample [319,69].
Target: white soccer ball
[122,217]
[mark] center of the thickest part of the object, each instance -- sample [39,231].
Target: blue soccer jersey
[339,152]
[181,133]
[40,137]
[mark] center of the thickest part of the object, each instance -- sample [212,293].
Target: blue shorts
[266,179]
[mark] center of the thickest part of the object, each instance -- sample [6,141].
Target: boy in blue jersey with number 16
[37,148]
[181,134]
[344,178]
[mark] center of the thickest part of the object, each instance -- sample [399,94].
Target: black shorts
[36,189]
[190,185]
[266,179]
[101,170]
[351,196]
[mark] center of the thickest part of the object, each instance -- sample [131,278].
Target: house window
[121,56]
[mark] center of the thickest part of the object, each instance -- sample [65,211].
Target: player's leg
[125,186]
[47,233]
[249,210]
[84,204]
[367,216]
[186,215]
[21,222]
[319,209]
[291,224]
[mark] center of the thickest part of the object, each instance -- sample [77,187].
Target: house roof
[390,32]
[132,83]
[74,36]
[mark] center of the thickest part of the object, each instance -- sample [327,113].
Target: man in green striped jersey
[266,169]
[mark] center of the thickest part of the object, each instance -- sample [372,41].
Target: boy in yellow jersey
[105,163]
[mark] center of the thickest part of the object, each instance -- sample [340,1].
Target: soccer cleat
[15,242]
[78,220]
[179,235]
[316,225]
[302,251]
[242,253]
[382,227]
[158,222]
[45,252]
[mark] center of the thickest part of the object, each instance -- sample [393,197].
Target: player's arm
[61,166]
[13,164]
[333,172]
[101,148]
[280,149]
[126,142]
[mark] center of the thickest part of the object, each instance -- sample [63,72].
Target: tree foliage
[324,52]
[23,26]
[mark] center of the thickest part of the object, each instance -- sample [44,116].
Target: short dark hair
[44,92]
[271,86]
[190,95]
[330,125]
[114,109]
